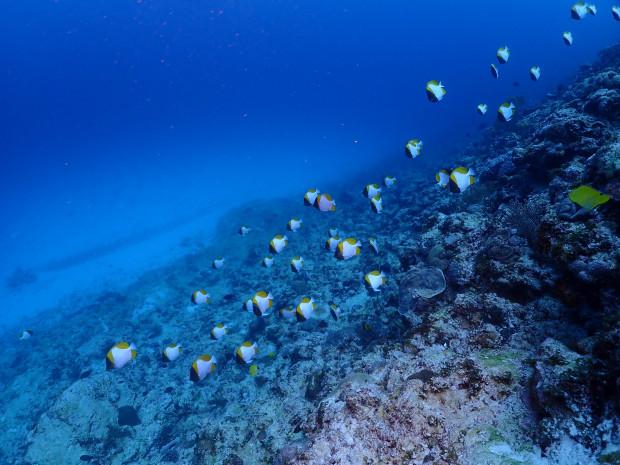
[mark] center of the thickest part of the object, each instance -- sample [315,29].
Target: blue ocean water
[130,127]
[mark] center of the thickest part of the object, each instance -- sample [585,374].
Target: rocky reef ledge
[496,339]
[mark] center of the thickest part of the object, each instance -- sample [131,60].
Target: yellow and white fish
[413,148]
[389,181]
[460,179]
[219,331]
[218,263]
[333,232]
[347,249]
[310,197]
[261,302]
[443,178]
[334,310]
[435,91]
[246,352]
[568,38]
[581,9]
[535,73]
[294,224]
[374,246]
[287,312]
[615,11]
[374,280]
[494,71]
[248,306]
[332,243]
[25,335]
[371,190]
[201,297]
[201,367]
[502,55]
[268,261]
[506,111]
[278,243]
[172,352]
[376,203]
[119,355]
[244,230]
[305,308]
[482,108]
[297,263]
[325,203]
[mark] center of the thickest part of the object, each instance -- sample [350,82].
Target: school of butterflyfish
[345,248]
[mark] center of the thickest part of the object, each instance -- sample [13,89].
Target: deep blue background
[119,116]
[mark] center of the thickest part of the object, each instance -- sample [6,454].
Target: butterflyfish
[506,111]
[246,352]
[324,203]
[347,248]
[201,367]
[278,243]
[201,297]
[119,355]
[305,309]
[460,179]
[374,280]
[435,91]
[172,352]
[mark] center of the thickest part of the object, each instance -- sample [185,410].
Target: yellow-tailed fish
[503,54]
[332,243]
[297,263]
[374,280]
[261,302]
[443,178]
[287,312]
[119,355]
[334,311]
[246,352]
[506,111]
[374,246]
[219,331]
[248,306]
[435,91]
[376,203]
[201,297]
[371,190]
[413,148]
[325,203]
[460,179]
[294,224]
[389,181]
[305,308]
[310,197]
[278,243]
[201,367]
[587,197]
[347,248]
[172,352]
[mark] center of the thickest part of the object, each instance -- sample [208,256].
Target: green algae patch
[500,361]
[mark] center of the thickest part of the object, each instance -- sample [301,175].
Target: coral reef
[509,355]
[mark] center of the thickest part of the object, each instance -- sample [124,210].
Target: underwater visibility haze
[251,232]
